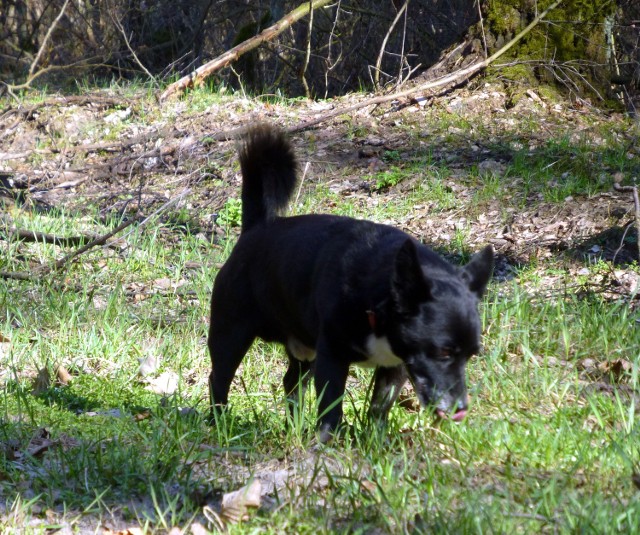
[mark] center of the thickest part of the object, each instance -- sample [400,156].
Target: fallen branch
[449,79]
[101,240]
[107,146]
[196,77]
[98,241]
[18,275]
[454,78]
[41,237]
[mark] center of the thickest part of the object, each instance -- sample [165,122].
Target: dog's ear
[409,287]
[478,271]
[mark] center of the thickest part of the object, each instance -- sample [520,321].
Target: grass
[551,444]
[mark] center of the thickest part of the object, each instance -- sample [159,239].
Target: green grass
[539,451]
[550,445]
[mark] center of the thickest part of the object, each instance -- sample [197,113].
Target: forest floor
[534,176]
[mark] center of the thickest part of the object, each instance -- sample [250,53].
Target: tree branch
[196,77]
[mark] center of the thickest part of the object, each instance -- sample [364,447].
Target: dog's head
[434,325]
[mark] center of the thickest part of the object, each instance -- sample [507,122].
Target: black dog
[338,291]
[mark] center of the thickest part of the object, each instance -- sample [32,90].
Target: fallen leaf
[369,486]
[198,529]
[148,365]
[4,339]
[63,375]
[616,368]
[163,284]
[166,383]
[142,416]
[42,382]
[40,443]
[128,531]
[236,504]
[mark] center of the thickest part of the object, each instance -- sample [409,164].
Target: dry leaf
[63,375]
[166,383]
[369,486]
[616,368]
[148,365]
[42,382]
[142,416]
[40,443]
[128,531]
[198,529]
[4,339]
[235,505]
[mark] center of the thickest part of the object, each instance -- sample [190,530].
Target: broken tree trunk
[196,77]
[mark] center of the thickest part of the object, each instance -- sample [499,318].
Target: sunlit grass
[551,442]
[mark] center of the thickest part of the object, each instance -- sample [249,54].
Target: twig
[121,29]
[307,54]
[41,237]
[376,71]
[45,41]
[329,64]
[18,275]
[166,205]
[636,204]
[484,37]
[98,241]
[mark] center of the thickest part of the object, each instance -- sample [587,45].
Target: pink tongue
[457,417]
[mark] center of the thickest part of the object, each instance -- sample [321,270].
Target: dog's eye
[446,353]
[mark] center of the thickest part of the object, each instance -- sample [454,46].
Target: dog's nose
[461,409]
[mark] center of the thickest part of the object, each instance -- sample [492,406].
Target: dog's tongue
[456,417]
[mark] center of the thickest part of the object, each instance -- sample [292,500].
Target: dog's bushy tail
[269,174]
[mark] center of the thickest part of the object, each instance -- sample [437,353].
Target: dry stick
[376,72]
[98,241]
[62,262]
[17,275]
[121,29]
[41,237]
[202,72]
[307,55]
[636,204]
[45,41]
[329,63]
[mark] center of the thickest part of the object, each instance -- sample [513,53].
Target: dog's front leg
[330,381]
[386,387]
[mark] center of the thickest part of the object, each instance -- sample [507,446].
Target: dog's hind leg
[228,344]
[386,387]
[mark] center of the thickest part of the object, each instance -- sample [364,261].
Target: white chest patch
[301,351]
[379,353]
